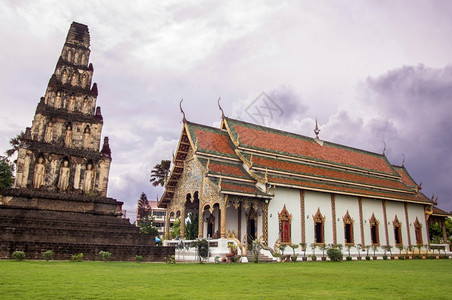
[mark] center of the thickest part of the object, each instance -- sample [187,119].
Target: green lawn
[414,279]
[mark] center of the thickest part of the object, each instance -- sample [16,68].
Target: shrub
[431,256]
[217,259]
[385,257]
[18,255]
[105,255]
[334,254]
[138,258]
[401,257]
[170,259]
[48,255]
[349,258]
[77,257]
[367,257]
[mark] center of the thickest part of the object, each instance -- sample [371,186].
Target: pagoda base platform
[68,225]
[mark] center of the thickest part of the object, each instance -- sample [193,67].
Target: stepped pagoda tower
[59,201]
[61,149]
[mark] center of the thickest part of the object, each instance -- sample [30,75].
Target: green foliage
[147,226]
[385,257]
[105,255]
[401,257]
[217,259]
[18,255]
[448,225]
[348,258]
[6,173]
[282,248]
[202,247]
[175,230]
[367,257]
[334,254]
[15,143]
[159,175]
[170,259]
[138,258]
[435,233]
[77,257]
[191,227]
[48,255]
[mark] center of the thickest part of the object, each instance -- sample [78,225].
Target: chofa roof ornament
[182,111]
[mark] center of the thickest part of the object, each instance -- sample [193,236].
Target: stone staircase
[261,258]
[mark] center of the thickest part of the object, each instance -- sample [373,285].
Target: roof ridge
[274,130]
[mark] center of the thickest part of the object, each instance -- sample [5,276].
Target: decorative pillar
[200,220]
[239,221]
[361,223]
[167,225]
[303,217]
[265,222]
[223,220]
[333,213]
[383,203]
[182,223]
[405,206]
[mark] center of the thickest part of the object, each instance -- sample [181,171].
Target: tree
[159,175]
[15,142]
[191,227]
[6,173]
[175,230]
[143,208]
[435,232]
[147,226]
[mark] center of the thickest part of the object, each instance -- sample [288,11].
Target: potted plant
[313,256]
[323,248]
[294,256]
[359,247]
[303,248]
[374,249]
[400,247]
[349,246]
[367,252]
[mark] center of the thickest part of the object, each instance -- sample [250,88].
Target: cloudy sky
[371,72]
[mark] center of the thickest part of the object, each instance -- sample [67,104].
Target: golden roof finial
[182,111]
[219,106]
[316,130]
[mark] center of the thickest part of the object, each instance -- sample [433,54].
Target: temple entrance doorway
[251,226]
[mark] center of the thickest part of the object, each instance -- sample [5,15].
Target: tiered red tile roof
[241,158]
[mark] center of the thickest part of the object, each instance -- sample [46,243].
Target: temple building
[59,201]
[248,181]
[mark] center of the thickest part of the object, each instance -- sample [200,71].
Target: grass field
[414,279]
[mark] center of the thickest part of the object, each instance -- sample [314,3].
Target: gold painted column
[361,223]
[223,220]
[383,203]
[303,217]
[200,220]
[182,223]
[265,222]
[167,225]
[333,213]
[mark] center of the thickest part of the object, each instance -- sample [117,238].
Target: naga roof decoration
[251,160]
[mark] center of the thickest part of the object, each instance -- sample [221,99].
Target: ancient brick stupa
[59,198]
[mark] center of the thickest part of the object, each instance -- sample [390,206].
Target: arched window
[418,231]
[397,231]
[319,221]
[285,220]
[348,229]
[374,234]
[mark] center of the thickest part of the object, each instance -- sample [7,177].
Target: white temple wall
[313,202]
[374,206]
[394,208]
[290,198]
[350,204]
[416,210]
